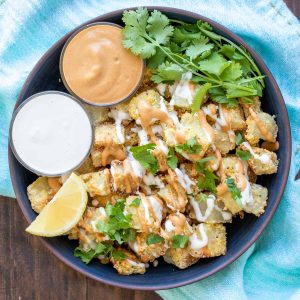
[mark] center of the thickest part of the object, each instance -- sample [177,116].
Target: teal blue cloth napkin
[271,267]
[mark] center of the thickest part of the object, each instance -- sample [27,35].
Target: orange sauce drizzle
[112,151]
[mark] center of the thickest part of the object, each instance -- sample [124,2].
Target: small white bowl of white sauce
[51,133]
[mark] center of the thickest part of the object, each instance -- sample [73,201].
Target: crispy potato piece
[222,141]
[98,183]
[181,258]
[98,114]
[263,162]
[147,253]
[96,156]
[176,223]
[151,96]
[205,208]
[231,164]
[86,167]
[105,132]
[234,117]
[256,106]
[229,203]
[40,192]
[253,134]
[170,196]
[214,234]
[260,197]
[129,265]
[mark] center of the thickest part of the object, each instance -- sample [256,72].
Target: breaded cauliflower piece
[181,258]
[253,134]
[147,215]
[222,141]
[105,132]
[256,106]
[86,167]
[260,197]
[147,253]
[41,191]
[98,114]
[208,240]
[205,208]
[234,117]
[262,161]
[97,183]
[229,203]
[129,265]
[231,165]
[151,96]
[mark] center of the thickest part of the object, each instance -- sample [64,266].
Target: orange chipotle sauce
[97,68]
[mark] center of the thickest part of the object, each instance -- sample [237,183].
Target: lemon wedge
[63,212]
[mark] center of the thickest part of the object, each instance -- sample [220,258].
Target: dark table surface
[29,271]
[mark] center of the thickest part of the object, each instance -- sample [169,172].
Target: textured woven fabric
[271,267]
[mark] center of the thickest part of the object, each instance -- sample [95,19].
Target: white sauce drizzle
[146,210]
[183,90]
[150,179]
[163,147]
[247,197]
[136,264]
[161,87]
[157,129]
[138,170]
[196,243]
[184,180]
[119,116]
[113,172]
[264,158]
[156,206]
[169,226]
[142,136]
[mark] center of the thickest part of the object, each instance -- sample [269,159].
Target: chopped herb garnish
[200,163]
[234,191]
[207,181]
[239,138]
[199,97]
[135,202]
[172,159]
[154,239]
[143,154]
[118,226]
[103,249]
[179,240]
[191,146]
[173,49]
[243,155]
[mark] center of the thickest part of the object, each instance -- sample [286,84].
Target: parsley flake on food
[243,155]
[172,159]
[154,239]
[179,240]
[191,146]
[239,138]
[143,154]
[234,190]
[135,202]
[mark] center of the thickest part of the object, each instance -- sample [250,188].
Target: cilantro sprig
[118,225]
[243,155]
[207,179]
[234,191]
[154,239]
[143,154]
[191,146]
[172,159]
[225,70]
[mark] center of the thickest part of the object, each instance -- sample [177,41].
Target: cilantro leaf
[201,162]
[198,47]
[215,64]
[191,146]
[232,73]
[227,50]
[87,256]
[179,240]
[118,254]
[154,239]
[234,191]
[118,226]
[240,91]
[207,181]
[143,154]
[159,28]
[244,155]
[181,35]
[135,202]
[167,72]
[199,97]
[239,138]
[172,159]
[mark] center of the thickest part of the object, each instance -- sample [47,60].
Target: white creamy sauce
[119,116]
[221,120]
[264,158]
[173,115]
[231,136]
[150,179]
[135,264]
[146,209]
[161,87]
[183,90]
[169,226]
[55,127]
[196,243]
[143,136]
[162,146]
[137,169]
[156,206]
[113,172]
[102,212]
[134,246]
[246,194]
[184,180]
[156,129]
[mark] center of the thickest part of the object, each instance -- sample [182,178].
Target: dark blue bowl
[241,234]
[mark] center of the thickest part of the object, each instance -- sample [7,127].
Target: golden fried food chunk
[98,114]
[260,197]
[98,183]
[86,167]
[129,265]
[234,117]
[256,106]
[145,251]
[181,258]
[229,203]
[253,133]
[208,240]
[41,191]
[223,142]
[105,132]
[96,156]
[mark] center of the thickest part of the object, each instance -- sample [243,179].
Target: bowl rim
[64,80]
[287,132]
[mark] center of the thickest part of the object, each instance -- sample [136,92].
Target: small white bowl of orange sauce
[97,69]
